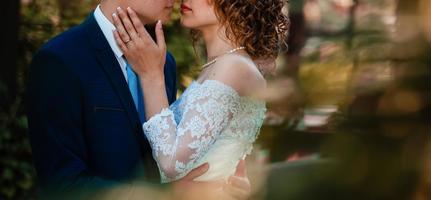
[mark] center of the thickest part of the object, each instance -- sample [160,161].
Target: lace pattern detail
[207,110]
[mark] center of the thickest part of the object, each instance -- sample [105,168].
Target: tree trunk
[9,51]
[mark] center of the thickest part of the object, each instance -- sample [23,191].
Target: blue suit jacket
[83,126]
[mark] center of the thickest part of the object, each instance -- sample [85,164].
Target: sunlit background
[348,109]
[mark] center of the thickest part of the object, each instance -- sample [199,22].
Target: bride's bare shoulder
[239,72]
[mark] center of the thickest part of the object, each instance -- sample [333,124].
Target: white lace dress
[210,123]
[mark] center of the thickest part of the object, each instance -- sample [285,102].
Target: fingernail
[119,8]
[114,15]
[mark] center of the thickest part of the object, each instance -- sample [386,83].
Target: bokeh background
[348,109]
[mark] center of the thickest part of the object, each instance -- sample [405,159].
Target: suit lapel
[115,75]
[109,63]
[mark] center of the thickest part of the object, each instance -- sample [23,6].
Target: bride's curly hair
[260,26]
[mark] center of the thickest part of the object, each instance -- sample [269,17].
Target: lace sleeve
[176,147]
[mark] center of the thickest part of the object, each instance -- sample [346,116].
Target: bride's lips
[185,8]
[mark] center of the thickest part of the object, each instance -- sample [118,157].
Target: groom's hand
[239,186]
[188,189]
[195,173]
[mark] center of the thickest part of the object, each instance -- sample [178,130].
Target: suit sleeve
[56,134]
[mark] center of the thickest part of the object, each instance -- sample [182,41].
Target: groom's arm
[56,127]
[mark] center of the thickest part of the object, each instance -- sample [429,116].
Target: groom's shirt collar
[107,29]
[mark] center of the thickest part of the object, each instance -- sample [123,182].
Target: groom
[84,111]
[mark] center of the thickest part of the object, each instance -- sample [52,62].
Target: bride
[218,117]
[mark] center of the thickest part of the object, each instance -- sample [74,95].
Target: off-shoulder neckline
[226,86]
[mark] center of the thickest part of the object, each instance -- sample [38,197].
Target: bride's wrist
[153,79]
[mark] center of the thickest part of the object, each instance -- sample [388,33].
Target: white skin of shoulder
[237,71]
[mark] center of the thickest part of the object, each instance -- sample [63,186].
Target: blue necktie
[135,90]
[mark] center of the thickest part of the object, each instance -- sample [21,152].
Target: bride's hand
[146,57]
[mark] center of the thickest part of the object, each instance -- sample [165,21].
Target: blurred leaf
[8,174]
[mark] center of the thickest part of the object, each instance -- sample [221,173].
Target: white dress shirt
[107,29]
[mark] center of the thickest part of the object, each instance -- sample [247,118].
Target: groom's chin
[153,22]
[166,19]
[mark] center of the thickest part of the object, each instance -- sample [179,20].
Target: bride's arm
[208,110]
[175,146]
[146,57]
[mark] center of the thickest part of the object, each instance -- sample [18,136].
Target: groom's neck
[108,8]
